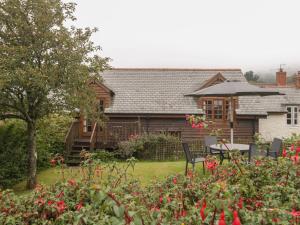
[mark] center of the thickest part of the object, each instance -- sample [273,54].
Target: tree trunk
[32,155]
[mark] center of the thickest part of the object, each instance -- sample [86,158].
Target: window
[292,115]
[216,109]
[101,105]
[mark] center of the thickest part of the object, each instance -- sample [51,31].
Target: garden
[107,189]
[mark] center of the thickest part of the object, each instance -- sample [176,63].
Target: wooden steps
[73,158]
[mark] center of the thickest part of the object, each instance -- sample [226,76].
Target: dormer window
[215,108]
[292,115]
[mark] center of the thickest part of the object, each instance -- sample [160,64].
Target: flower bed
[265,192]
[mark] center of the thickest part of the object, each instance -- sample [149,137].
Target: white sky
[247,34]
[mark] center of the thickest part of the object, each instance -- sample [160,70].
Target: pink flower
[295,213]
[72,182]
[40,201]
[297,150]
[240,203]
[53,162]
[174,180]
[295,158]
[292,147]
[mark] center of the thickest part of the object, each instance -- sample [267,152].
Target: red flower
[161,199]
[240,203]
[211,165]
[183,213]
[236,219]
[222,219]
[284,153]
[292,147]
[78,206]
[169,199]
[53,162]
[295,213]
[50,202]
[295,158]
[202,210]
[297,150]
[174,180]
[72,182]
[60,206]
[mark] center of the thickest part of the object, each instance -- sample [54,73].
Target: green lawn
[144,171]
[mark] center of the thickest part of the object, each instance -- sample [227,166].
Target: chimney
[281,77]
[298,80]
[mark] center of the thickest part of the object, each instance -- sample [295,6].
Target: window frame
[294,118]
[225,107]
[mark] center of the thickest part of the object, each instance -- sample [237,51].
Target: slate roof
[162,91]
[255,105]
[159,91]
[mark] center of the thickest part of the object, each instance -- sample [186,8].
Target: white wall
[275,126]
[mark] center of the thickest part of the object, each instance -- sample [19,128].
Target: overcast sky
[247,34]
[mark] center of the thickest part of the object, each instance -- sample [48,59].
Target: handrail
[71,135]
[69,131]
[91,141]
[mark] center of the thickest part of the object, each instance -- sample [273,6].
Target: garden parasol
[233,89]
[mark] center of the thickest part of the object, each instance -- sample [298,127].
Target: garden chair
[275,147]
[212,140]
[254,152]
[191,159]
[208,141]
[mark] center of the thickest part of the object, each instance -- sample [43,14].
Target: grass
[144,171]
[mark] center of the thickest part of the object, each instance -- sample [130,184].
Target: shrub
[265,192]
[146,146]
[104,156]
[13,151]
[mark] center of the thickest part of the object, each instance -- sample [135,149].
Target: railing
[93,137]
[73,133]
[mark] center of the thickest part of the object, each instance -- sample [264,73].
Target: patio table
[222,148]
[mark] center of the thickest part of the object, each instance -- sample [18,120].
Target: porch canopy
[233,89]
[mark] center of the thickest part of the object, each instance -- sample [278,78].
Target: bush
[13,151]
[104,156]
[146,146]
[265,192]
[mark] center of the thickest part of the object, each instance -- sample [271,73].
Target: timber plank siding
[244,129]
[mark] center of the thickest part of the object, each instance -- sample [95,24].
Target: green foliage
[51,132]
[13,154]
[104,156]
[145,145]
[260,193]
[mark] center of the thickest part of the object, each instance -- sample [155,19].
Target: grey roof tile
[158,91]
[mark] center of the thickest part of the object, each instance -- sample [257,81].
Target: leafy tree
[44,65]
[250,76]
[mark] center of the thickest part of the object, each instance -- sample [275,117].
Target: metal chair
[191,159]
[208,141]
[275,148]
[254,152]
